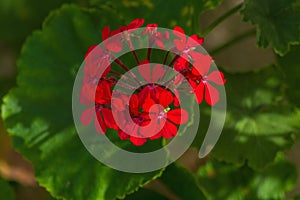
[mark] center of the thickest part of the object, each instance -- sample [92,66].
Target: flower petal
[169,130]
[194,41]
[212,95]
[99,125]
[180,45]
[178,116]
[105,33]
[137,141]
[87,116]
[157,72]
[199,92]
[165,98]
[109,119]
[201,62]
[144,70]
[179,32]
[216,77]
[122,135]
[135,23]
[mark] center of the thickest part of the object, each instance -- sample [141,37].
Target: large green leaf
[291,67]
[145,194]
[182,183]
[6,192]
[38,113]
[18,18]
[177,182]
[259,122]
[166,13]
[225,181]
[277,22]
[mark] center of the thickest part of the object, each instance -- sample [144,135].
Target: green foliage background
[263,117]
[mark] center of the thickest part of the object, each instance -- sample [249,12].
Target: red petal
[169,130]
[87,116]
[122,135]
[165,98]
[144,70]
[179,32]
[148,103]
[180,44]
[103,92]
[137,141]
[118,104]
[211,94]
[89,50]
[176,98]
[201,62]
[194,41]
[154,137]
[216,77]
[181,64]
[157,72]
[135,23]
[199,92]
[99,125]
[160,43]
[87,95]
[178,116]
[134,104]
[113,44]
[105,33]
[109,119]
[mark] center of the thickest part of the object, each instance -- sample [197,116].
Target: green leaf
[164,12]
[182,183]
[18,18]
[277,22]
[291,67]
[226,181]
[5,85]
[145,194]
[259,121]
[177,182]
[6,192]
[38,113]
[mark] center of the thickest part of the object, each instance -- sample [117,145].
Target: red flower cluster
[152,111]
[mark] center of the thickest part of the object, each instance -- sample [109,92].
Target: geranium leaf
[277,22]
[38,112]
[226,181]
[259,121]
[18,18]
[291,67]
[6,191]
[182,183]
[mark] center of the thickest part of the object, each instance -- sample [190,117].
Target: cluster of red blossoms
[152,111]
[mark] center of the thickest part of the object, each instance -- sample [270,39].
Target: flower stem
[149,54]
[166,57]
[120,63]
[233,41]
[221,19]
[174,60]
[135,57]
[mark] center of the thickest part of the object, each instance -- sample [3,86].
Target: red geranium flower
[101,108]
[155,36]
[166,119]
[186,45]
[200,79]
[138,120]
[152,111]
